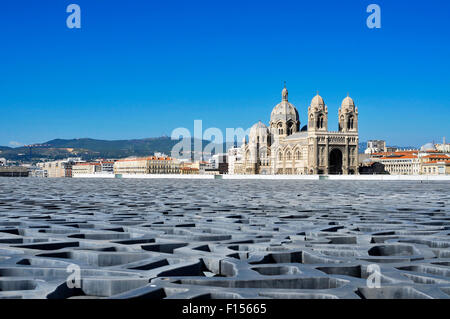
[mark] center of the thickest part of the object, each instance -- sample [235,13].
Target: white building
[147,165]
[444,147]
[85,169]
[401,164]
[218,159]
[107,166]
[234,156]
[438,167]
[59,168]
[375,146]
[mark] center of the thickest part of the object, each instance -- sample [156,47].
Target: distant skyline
[139,69]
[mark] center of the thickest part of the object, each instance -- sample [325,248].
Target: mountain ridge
[89,148]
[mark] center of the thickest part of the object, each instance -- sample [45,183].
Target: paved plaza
[131,238]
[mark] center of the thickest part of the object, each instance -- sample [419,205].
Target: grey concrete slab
[208,239]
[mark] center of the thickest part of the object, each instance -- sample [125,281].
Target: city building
[14,171]
[375,146]
[197,167]
[212,171]
[35,171]
[147,165]
[285,147]
[234,156]
[391,149]
[219,162]
[59,168]
[85,169]
[203,166]
[401,163]
[107,166]
[433,157]
[444,147]
[3,161]
[187,168]
[438,167]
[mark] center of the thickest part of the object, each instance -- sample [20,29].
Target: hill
[88,148]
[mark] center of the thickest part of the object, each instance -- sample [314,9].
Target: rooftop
[148,158]
[399,157]
[447,162]
[445,156]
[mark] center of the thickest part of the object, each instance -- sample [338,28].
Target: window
[350,123]
[280,128]
[320,121]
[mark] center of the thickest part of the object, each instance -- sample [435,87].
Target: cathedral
[286,147]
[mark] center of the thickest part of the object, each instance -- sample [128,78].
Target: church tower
[318,115]
[348,116]
[317,130]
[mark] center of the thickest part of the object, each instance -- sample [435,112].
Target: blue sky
[140,68]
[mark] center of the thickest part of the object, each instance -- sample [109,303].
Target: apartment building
[147,165]
[401,163]
[85,168]
[439,167]
[59,168]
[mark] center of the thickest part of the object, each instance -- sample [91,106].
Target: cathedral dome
[348,103]
[258,130]
[284,110]
[428,147]
[258,127]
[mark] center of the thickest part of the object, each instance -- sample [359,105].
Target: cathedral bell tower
[348,116]
[318,115]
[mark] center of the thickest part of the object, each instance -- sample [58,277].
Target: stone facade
[285,147]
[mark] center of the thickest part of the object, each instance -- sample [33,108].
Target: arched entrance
[335,162]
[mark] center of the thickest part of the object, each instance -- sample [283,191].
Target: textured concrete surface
[223,238]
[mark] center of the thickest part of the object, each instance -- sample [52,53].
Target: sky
[141,68]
